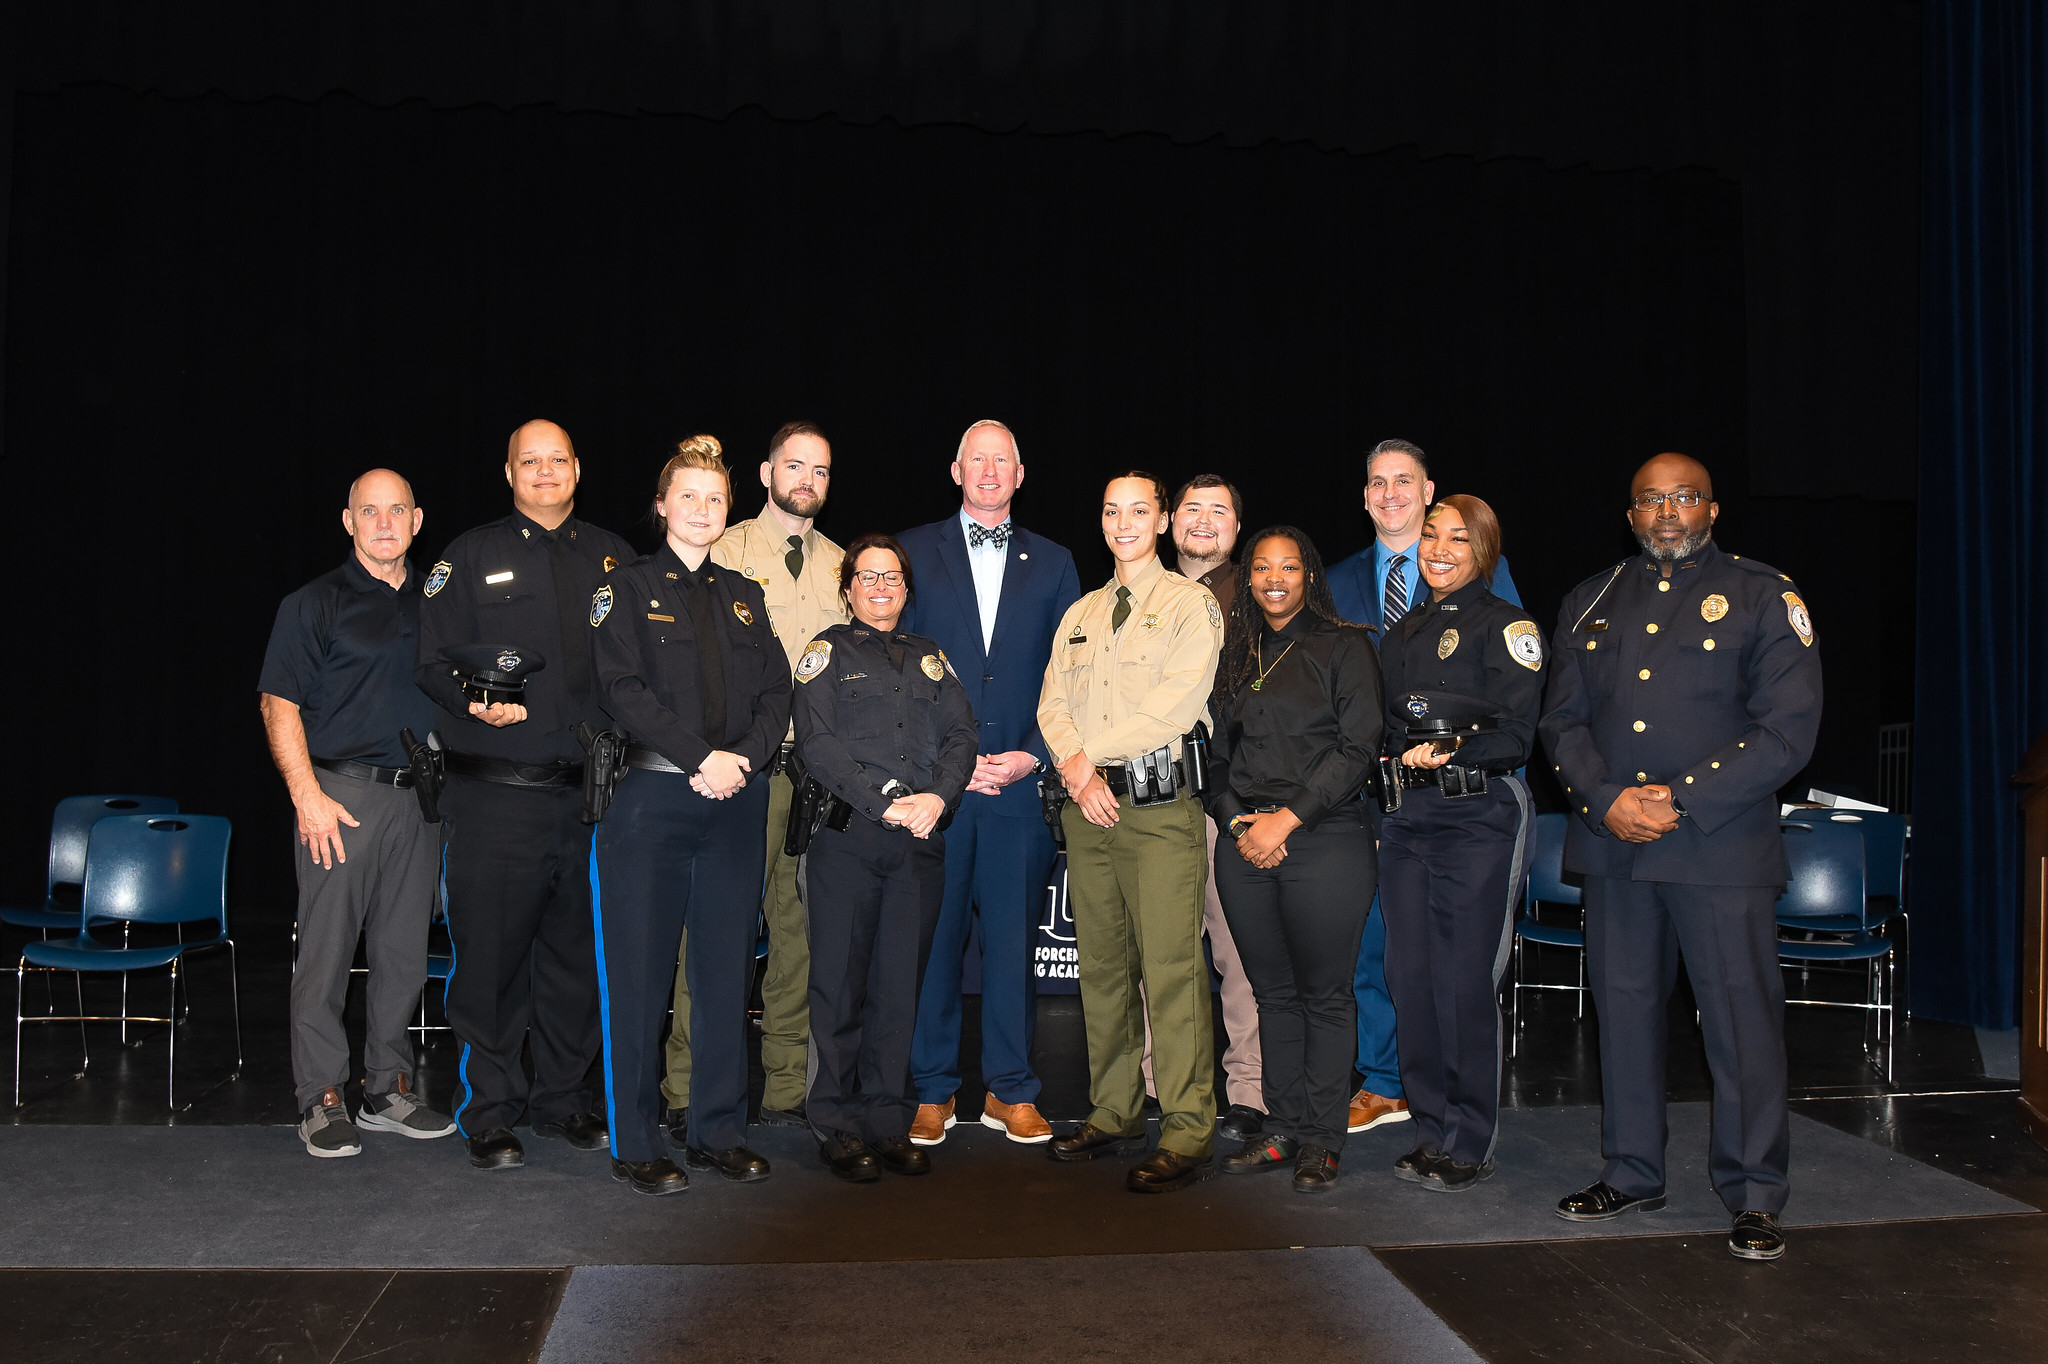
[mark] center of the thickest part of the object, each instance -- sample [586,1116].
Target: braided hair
[1241,631]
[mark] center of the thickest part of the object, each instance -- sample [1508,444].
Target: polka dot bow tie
[977,536]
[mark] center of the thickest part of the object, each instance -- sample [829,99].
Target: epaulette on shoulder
[1758,566]
[643,559]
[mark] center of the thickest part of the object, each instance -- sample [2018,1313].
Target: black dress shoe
[1315,1170]
[496,1149]
[1412,1166]
[1273,1153]
[736,1163]
[1088,1141]
[1241,1122]
[784,1117]
[1454,1176]
[675,1127]
[584,1131]
[850,1159]
[900,1156]
[1601,1200]
[1757,1236]
[658,1176]
[1165,1171]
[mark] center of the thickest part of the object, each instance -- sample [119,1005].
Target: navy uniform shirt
[870,707]
[1707,682]
[651,662]
[1306,738]
[496,585]
[1469,655]
[342,652]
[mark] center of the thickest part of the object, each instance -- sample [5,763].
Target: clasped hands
[994,771]
[721,775]
[1642,814]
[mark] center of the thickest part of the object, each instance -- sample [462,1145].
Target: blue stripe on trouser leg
[604,992]
[454,960]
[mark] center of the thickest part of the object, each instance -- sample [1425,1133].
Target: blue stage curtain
[1982,695]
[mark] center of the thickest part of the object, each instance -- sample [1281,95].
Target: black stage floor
[1918,1230]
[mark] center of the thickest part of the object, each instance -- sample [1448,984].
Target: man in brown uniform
[1130,673]
[798,570]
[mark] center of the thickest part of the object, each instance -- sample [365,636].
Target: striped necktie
[1395,604]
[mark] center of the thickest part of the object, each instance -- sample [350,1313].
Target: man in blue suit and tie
[1377,586]
[991,594]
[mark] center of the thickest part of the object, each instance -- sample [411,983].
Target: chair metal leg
[1515,1004]
[78,986]
[1582,982]
[172,1028]
[125,929]
[20,971]
[235,998]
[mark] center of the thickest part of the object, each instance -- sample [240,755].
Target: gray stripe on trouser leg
[1518,872]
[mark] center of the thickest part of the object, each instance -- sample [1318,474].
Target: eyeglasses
[867,577]
[1684,497]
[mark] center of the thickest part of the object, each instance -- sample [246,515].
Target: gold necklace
[1259,658]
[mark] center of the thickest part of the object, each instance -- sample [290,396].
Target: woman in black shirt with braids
[1297,709]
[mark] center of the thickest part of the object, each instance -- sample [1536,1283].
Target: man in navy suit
[992,594]
[1376,587]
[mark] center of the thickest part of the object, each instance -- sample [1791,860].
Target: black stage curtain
[1983,694]
[223,310]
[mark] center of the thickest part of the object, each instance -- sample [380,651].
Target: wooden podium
[2033,776]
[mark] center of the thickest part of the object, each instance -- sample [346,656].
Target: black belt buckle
[1455,781]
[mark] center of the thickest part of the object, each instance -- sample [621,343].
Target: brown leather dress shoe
[1370,1110]
[1165,1171]
[1088,1141]
[1019,1122]
[932,1122]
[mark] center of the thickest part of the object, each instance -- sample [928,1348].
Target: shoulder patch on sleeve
[1525,644]
[1215,611]
[437,579]
[1795,612]
[600,605]
[814,660]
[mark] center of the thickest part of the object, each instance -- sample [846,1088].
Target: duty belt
[515,774]
[400,777]
[1450,779]
[647,760]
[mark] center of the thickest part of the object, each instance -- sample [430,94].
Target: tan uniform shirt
[1120,694]
[799,608]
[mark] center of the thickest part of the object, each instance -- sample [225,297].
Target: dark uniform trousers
[1297,928]
[873,896]
[1451,874]
[665,857]
[1635,932]
[516,887]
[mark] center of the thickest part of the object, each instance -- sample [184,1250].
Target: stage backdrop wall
[222,311]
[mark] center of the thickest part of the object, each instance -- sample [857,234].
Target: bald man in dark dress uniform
[1685,690]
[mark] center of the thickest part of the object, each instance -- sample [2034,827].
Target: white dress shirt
[987,561]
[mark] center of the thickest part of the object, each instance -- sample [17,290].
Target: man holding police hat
[1131,669]
[336,691]
[797,568]
[1685,689]
[509,607]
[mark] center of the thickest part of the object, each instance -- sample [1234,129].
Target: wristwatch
[1038,767]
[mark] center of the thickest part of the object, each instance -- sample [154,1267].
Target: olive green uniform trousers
[785,1002]
[1136,895]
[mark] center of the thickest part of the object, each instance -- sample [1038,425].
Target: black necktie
[1395,604]
[710,656]
[1123,610]
[897,649]
[572,604]
[795,557]
[977,536]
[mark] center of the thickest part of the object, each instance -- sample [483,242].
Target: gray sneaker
[402,1112]
[326,1129]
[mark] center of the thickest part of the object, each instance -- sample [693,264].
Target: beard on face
[805,508]
[1684,549]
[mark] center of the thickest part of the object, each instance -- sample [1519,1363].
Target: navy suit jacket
[1003,681]
[1353,588]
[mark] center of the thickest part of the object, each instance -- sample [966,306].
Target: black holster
[1052,795]
[604,762]
[428,762]
[1194,759]
[813,808]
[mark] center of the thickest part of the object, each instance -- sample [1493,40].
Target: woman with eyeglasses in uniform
[1464,680]
[886,728]
[1298,716]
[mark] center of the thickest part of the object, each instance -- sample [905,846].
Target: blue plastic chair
[1826,892]
[146,869]
[1547,886]
[70,826]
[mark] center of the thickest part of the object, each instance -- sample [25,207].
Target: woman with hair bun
[1464,676]
[687,667]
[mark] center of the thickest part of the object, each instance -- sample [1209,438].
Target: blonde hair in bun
[698,452]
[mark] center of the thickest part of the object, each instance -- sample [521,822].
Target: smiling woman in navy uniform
[1466,666]
[884,725]
[1687,691]
[687,667]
